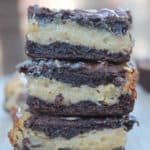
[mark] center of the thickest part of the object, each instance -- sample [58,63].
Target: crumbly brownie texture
[70,127]
[67,51]
[104,138]
[78,73]
[116,21]
[83,108]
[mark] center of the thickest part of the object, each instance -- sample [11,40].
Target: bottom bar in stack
[41,132]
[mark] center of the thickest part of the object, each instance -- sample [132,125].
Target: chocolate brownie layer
[117,21]
[78,73]
[67,51]
[69,133]
[83,108]
[70,127]
[101,140]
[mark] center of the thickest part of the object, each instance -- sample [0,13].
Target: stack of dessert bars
[81,85]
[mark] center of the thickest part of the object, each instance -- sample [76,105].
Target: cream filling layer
[106,139]
[77,35]
[47,90]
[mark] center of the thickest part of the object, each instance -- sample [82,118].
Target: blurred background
[13,28]
[13,25]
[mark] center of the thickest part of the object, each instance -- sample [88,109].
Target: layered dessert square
[80,88]
[41,132]
[79,34]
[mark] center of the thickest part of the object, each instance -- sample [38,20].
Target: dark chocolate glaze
[67,51]
[117,21]
[61,127]
[76,73]
[83,108]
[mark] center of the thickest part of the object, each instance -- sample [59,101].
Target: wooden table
[138,138]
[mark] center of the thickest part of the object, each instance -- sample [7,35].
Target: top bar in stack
[79,34]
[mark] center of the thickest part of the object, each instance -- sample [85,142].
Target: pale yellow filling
[106,139]
[47,90]
[77,35]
